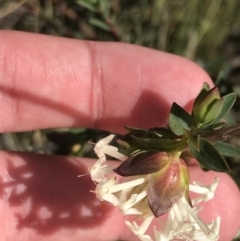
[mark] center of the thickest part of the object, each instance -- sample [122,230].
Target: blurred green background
[205,31]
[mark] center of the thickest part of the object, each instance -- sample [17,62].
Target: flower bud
[207,105]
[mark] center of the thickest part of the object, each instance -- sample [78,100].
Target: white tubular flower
[101,144]
[184,224]
[126,205]
[101,148]
[207,192]
[141,230]
[116,194]
[99,170]
[131,196]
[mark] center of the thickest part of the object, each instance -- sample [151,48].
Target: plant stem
[222,134]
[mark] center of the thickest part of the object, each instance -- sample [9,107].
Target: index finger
[57,82]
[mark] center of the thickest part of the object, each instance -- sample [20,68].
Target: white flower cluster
[130,196]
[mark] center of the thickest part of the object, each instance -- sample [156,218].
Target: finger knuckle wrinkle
[97,85]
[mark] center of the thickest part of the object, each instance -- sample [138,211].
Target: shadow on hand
[50,195]
[151,110]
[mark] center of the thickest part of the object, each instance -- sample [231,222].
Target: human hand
[55,82]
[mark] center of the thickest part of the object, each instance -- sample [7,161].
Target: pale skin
[48,82]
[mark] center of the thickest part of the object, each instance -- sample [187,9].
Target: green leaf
[226,149]
[210,126]
[209,157]
[128,142]
[123,143]
[141,133]
[88,5]
[202,94]
[179,119]
[162,132]
[228,101]
[131,128]
[156,144]
[99,24]
[192,138]
[214,109]
[204,89]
